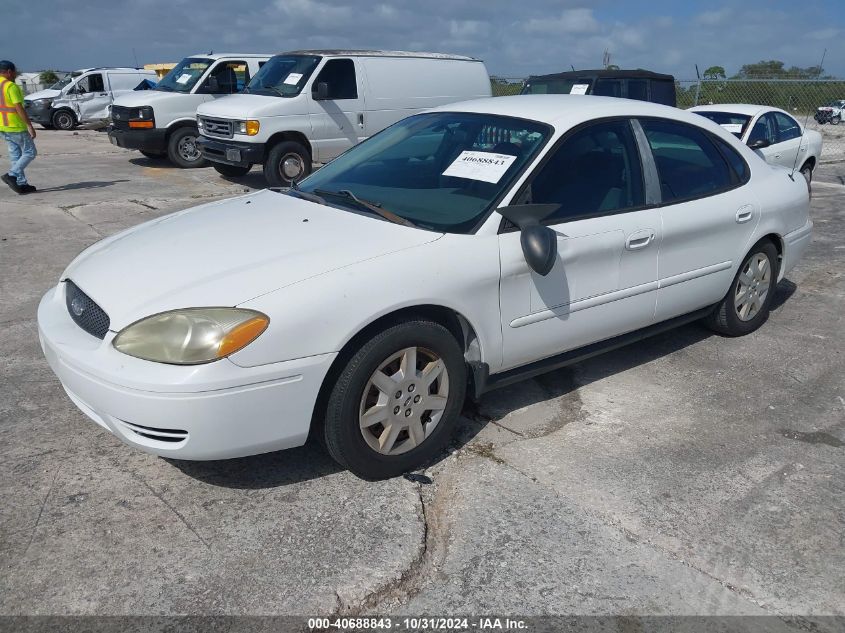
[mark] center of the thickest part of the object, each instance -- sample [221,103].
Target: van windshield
[440,171]
[184,75]
[283,75]
[64,82]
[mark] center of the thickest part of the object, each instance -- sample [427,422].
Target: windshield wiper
[369,206]
[305,195]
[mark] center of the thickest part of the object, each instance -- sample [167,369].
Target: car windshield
[184,75]
[283,75]
[441,171]
[731,121]
[64,82]
[557,86]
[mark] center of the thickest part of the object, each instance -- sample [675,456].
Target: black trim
[483,382]
[215,151]
[149,139]
[606,74]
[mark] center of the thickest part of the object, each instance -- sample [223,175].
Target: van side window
[688,164]
[231,77]
[596,171]
[339,74]
[92,83]
[608,88]
[638,89]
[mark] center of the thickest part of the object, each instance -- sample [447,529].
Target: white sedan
[459,250]
[774,133]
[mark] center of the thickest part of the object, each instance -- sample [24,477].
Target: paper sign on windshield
[184,78]
[733,128]
[293,78]
[579,89]
[484,166]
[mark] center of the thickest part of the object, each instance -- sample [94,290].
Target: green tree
[48,77]
[774,69]
[715,72]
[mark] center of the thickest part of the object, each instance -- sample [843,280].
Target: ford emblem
[77,306]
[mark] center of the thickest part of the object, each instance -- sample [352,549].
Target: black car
[643,85]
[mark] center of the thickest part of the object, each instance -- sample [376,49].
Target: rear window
[732,122]
[557,86]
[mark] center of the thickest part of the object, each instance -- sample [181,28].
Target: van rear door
[337,120]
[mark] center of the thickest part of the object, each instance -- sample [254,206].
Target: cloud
[570,21]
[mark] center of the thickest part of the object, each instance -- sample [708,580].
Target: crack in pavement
[171,508]
[41,511]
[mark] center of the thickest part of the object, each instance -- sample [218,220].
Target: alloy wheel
[753,287]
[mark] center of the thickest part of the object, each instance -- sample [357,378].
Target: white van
[163,121]
[310,106]
[84,96]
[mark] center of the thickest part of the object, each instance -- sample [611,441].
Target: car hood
[138,98]
[246,106]
[225,253]
[43,94]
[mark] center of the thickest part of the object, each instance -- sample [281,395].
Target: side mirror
[760,143]
[212,84]
[322,91]
[539,242]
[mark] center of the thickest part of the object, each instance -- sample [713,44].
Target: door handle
[103,94]
[639,240]
[744,214]
[360,119]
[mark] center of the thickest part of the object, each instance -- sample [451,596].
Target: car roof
[747,109]
[568,110]
[222,55]
[331,52]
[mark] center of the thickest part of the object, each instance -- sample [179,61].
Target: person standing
[16,128]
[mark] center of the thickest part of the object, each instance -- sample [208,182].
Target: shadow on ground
[91,184]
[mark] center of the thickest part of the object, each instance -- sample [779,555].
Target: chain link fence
[800,97]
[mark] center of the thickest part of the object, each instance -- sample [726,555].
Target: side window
[339,74]
[737,163]
[638,89]
[688,164]
[788,128]
[595,171]
[608,88]
[231,77]
[763,130]
[95,83]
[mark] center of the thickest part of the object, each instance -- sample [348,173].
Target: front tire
[182,148]
[231,171]
[64,120]
[286,163]
[836,119]
[396,402]
[746,305]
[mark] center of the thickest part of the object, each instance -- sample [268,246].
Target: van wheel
[396,402]
[231,171]
[287,162]
[64,120]
[746,306]
[182,148]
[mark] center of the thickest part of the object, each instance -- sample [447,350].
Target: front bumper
[231,152]
[149,140]
[38,113]
[214,411]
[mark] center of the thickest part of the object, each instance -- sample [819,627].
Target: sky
[514,38]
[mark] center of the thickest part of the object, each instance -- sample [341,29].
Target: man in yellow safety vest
[16,128]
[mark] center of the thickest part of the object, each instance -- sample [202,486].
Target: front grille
[151,433]
[120,116]
[85,313]
[219,128]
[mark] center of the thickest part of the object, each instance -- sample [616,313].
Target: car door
[790,148]
[708,215]
[765,128]
[604,282]
[91,98]
[337,118]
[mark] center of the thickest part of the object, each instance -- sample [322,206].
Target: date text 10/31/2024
[417,624]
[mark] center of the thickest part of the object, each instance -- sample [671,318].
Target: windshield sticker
[733,128]
[293,79]
[484,166]
[579,89]
[184,78]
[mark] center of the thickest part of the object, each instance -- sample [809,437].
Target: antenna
[136,57]
[806,120]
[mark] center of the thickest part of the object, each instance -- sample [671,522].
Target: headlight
[192,335]
[141,117]
[42,102]
[250,127]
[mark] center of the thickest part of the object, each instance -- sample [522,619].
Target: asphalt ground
[687,474]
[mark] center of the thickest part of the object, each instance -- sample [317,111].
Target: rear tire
[287,162]
[63,120]
[746,305]
[807,172]
[182,148]
[231,171]
[391,409]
